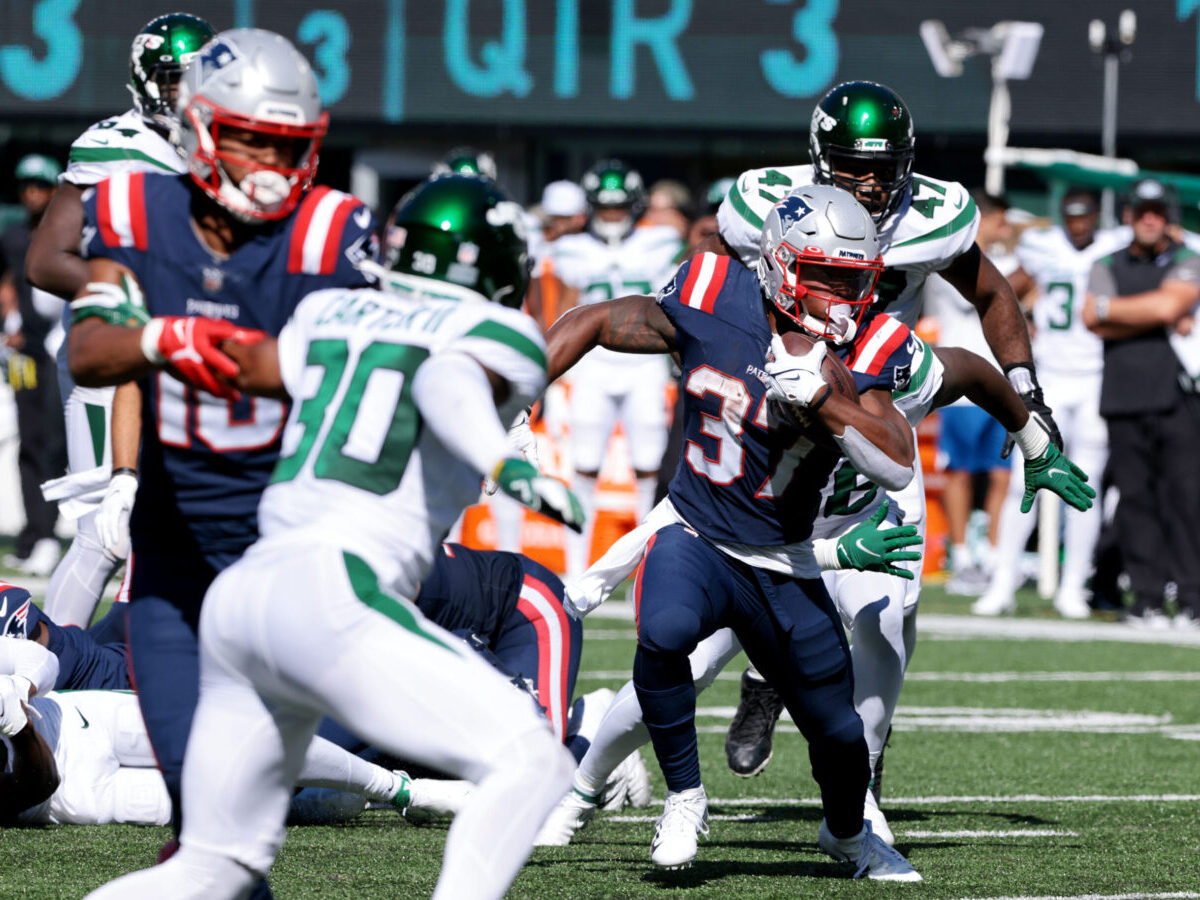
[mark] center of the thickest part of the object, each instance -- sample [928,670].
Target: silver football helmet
[820,261]
[251,80]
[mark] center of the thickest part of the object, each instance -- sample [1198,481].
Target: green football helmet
[467,161]
[160,53]
[612,183]
[861,140]
[462,231]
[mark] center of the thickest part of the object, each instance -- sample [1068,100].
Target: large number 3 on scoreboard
[185,415]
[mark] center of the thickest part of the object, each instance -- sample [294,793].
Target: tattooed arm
[627,324]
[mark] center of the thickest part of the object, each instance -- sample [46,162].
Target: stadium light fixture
[1013,49]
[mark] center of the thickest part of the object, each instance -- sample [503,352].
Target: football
[832,368]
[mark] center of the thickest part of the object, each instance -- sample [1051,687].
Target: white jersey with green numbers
[936,223]
[124,143]
[848,497]
[1061,343]
[640,264]
[357,466]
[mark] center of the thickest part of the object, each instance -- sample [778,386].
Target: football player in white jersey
[402,397]
[861,139]
[135,141]
[101,758]
[1056,262]
[614,258]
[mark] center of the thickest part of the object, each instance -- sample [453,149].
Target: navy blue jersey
[471,590]
[745,475]
[206,460]
[83,664]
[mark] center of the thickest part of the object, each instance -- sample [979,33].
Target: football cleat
[677,832]
[422,800]
[628,785]
[748,744]
[874,858]
[573,812]
[994,604]
[1072,606]
[874,815]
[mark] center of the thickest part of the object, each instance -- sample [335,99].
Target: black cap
[1153,195]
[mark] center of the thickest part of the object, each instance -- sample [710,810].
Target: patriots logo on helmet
[792,209]
[214,57]
[14,611]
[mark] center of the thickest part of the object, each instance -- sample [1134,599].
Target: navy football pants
[685,590]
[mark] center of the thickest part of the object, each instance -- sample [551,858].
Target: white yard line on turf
[983,833]
[947,627]
[1176,895]
[895,802]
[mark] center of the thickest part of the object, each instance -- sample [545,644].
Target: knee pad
[675,630]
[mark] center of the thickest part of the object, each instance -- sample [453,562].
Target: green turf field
[1040,766]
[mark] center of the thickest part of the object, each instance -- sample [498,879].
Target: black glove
[1024,381]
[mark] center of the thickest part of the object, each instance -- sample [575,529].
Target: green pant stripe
[95,417]
[365,584]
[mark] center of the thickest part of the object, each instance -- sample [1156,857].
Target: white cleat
[994,605]
[629,785]
[874,858]
[573,812]
[873,815]
[429,799]
[1072,606]
[684,819]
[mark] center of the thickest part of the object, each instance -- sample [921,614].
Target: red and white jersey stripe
[121,210]
[317,232]
[883,337]
[538,604]
[705,277]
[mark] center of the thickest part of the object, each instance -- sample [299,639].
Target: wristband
[151,333]
[825,550]
[1022,377]
[1032,439]
[1103,305]
[124,470]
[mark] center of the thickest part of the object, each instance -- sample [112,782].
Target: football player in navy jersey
[240,239]
[763,432]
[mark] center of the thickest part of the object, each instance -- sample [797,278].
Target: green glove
[870,548]
[1057,474]
[548,496]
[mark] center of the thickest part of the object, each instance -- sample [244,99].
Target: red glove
[189,345]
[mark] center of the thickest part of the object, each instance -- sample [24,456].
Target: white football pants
[286,637]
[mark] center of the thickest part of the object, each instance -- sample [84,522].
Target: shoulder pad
[878,343]
[121,210]
[318,227]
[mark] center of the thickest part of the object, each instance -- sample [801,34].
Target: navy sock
[668,698]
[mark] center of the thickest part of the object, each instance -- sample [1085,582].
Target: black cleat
[748,743]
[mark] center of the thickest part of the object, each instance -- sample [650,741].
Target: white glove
[112,519]
[14,694]
[795,379]
[522,442]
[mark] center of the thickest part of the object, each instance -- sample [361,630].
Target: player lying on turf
[402,397]
[765,429]
[90,725]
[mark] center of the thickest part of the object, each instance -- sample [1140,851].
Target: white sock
[327,765]
[879,657]
[620,732]
[79,578]
[960,557]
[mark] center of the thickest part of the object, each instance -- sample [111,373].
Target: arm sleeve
[455,399]
[30,660]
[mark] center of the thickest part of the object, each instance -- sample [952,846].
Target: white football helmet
[250,80]
[820,261]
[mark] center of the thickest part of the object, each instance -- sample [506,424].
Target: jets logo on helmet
[456,237]
[612,188]
[160,53]
[861,140]
[820,261]
[252,80]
